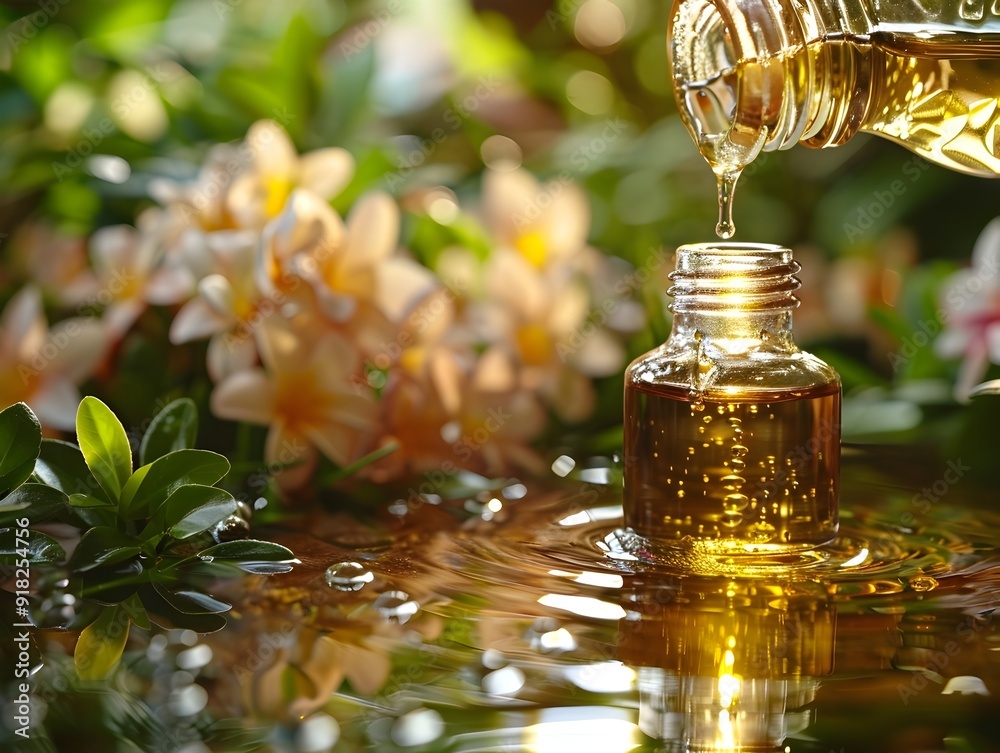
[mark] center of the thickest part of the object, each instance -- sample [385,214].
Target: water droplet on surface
[348,576]
[396,606]
[232,528]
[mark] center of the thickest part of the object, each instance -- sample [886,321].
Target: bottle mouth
[736,278]
[729,70]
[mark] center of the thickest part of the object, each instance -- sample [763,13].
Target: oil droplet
[737,465]
[923,583]
[348,576]
[733,482]
[739,451]
[726,228]
[732,519]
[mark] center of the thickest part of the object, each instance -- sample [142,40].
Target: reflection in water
[543,628]
[726,665]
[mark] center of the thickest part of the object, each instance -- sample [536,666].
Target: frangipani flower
[43,367]
[127,265]
[462,415]
[359,282]
[970,301]
[57,264]
[228,307]
[547,226]
[310,394]
[259,193]
[557,340]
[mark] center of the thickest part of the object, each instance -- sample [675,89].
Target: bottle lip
[736,278]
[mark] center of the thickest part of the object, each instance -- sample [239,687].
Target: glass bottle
[732,434]
[761,75]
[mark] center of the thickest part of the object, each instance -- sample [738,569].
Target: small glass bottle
[761,75]
[732,434]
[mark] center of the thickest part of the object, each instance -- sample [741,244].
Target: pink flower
[42,366]
[970,301]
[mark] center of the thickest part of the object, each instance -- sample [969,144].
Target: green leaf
[153,483]
[103,546]
[85,500]
[104,445]
[249,550]
[136,612]
[192,602]
[20,440]
[36,502]
[164,614]
[61,464]
[174,428]
[101,645]
[257,557]
[193,509]
[40,548]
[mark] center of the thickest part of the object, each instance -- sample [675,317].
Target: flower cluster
[326,330]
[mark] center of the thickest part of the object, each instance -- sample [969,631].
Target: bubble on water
[348,576]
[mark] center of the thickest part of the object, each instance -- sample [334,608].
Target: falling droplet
[348,576]
[739,451]
[726,228]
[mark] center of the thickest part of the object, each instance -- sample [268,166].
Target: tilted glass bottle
[761,75]
[732,434]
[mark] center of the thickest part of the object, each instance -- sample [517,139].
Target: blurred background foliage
[418,91]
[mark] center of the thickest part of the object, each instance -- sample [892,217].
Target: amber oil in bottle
[732,434]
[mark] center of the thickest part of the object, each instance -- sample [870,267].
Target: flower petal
[401,283]
[508,198]
[274,155]
[372,229]
[229,353]
[245,396]
[82,344]
[326,171]
[23,327]
[197,320]
[55,403]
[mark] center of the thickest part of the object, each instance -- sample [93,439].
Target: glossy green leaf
[40,548]
[174,428]
[249,550]
[20,440]
[136,612]
[36,502]
[164,614]
[193,509]
[153,483]
[192,602]
[103,546]
[61,464]
[100,646]
[85,500]
[256,557]
[104,445]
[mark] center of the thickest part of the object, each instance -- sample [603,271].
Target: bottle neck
[761,75]
[733,299]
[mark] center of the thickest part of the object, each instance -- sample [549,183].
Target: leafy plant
[146,553]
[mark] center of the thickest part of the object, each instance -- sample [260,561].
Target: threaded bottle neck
[734,279]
